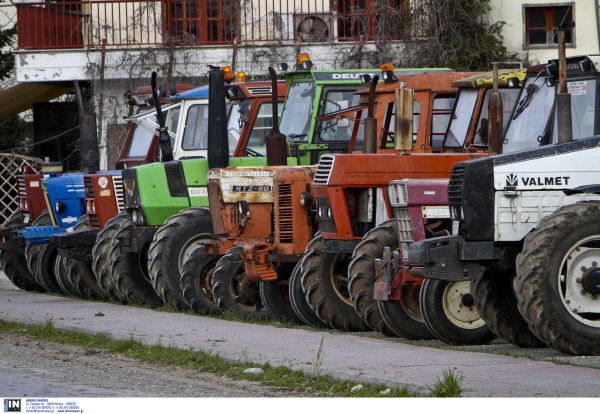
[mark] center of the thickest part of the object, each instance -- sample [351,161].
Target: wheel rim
[410,302]
[204,280]
[245,292]
[582,258]
[338,273]
[191,245]
[459,306]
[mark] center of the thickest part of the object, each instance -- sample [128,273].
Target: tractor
[351,200]
[167,222]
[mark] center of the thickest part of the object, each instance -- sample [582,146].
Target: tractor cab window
[172,122]
[338,129]
[390,123]
[234,125]
[530,123]
[440,118]
[298,111]
[509,99]
[195,136]
[461,118]
[583,109]
[263,125]
[141,139]
[146,127]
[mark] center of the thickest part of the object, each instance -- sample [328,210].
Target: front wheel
[298,300]
[196,282]
[404,316]
[557,280]
[449,312]
[276,296]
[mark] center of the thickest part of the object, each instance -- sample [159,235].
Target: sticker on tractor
[260,188]
[34,184]
[577,88]
[102,182]
[104,192]
[69,220]
[198,192]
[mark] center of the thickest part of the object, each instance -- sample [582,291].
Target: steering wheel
[248,152]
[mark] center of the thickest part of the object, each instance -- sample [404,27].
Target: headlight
[329,213]
[60,206]
[134,216]
[306,199]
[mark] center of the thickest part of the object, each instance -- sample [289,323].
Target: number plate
[261,188]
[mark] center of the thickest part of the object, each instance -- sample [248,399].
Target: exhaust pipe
[495,119]
[164,138]
[276,144]
[371,121]
[218,142]
[564,116]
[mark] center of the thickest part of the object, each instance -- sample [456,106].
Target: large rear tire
[100,257]
[325,284]
[196,283]
[32,251]
[80,273]
[298,300]
[60,270]
[497,305]
[557,279]
[173,243]
[449,312]
[15,264]
[232,289]
[45,269]
[128,272]
[362,274]
[404,316]
[276,297]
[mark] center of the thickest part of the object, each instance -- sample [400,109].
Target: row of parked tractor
[420,203]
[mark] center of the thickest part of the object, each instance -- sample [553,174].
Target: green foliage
[450,385]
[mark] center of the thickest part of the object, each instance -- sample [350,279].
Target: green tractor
[167,221]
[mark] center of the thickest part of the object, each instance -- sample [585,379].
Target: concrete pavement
[346,357]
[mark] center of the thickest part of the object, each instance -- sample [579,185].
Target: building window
[541,24]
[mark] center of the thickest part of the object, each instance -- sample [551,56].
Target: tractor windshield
[461,118]
[141,140]
[297,112]
[529,126]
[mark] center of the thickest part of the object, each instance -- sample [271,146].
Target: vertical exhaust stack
[563,98]
[88,133]
[218,141]
[495,118]
[371,121]
[276,145]
[164,138]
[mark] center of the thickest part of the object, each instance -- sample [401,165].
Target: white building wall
[513,13]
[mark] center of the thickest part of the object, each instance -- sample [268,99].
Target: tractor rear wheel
[32,251]
[557,279]
[63,280]
[15,264]
[497,305]
[100,257]
[298,300]
[449,312]
[404,316]
[233,290]
[173,243]
[325,284]
[80,273]
[276,296]
[362,274]
[129,271]
[45,269]
[196,282]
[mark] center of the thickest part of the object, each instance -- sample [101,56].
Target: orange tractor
[351,198]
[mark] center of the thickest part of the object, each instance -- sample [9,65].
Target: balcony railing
[76,24]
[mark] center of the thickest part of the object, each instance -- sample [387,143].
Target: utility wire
[36,143]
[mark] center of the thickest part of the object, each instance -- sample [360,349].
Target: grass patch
[450,385]
[201,361]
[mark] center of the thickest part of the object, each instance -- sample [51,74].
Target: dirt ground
[29,367]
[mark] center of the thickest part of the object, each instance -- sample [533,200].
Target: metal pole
[563,98]
[371,121]
[495,118]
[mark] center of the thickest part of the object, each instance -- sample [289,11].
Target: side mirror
[403,130]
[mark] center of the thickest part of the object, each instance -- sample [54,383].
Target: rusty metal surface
[215,205]
[36,203]
[233,180]
[257,265]
[403,133]
[487,78]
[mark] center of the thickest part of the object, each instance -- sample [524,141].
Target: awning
[21,97]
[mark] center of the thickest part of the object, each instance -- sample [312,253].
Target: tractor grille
[21,186]
[324,169]
[89,187]
[265,90]
[405,230]
[118,187]
[455,186]
[284,214]
[176,179]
